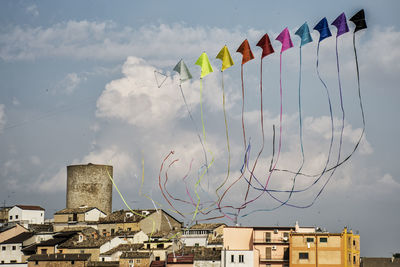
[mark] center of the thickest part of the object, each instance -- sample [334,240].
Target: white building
[25,214]
[11,249]
[231,258]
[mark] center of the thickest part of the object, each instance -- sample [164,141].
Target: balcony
[266,260]
[282,240]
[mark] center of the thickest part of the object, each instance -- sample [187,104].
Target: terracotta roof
[18,238]
[75,210]
[88,243]
[59,257]
[41,228]
[179,258]
[164,234]
[135,255]
[157,264]
[215,241]
[53,241]
[206,226]
[29,207]
[123,247]
[201,253]
[125,216]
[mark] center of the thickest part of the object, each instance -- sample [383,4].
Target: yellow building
[325,249]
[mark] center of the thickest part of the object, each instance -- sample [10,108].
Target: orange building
[325,249]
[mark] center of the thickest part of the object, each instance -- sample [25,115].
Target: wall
[94,251]
[137,262]
[248,256]
[30,216]
[238,238]
[89,185]
[207,264]
[117,226]
[57,264]
[9,254]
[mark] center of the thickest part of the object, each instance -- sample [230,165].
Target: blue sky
[78,86]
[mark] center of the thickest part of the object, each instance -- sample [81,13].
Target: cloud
[107,41]
[69,84]
[2,117]
[32,10]
[124,167]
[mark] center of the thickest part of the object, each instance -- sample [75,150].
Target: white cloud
[2,117]
[124,167]
[32,10]
[69,84]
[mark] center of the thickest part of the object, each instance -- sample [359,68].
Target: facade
[90,185]
[147,221]
[325,249]
[11,249]
[380,262]
[205,234]
[238,247]
[25,214]
[77,217]
[58,260]
[135,259]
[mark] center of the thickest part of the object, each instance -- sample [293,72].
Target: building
[58,260]
[135,259]
[90,185]
[77,217]
[11,249]
[380,262]
[147,221]
[238,247]
[204,234]
[10,231]
[26,214]
[325,249]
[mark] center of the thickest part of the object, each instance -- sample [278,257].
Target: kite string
[244,131]
[191,118]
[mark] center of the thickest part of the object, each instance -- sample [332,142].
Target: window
[268,253]
[129,229]
[286,253]
[138,261]
[157,258]
[14,247]
[161,245]
[16,217]
[13,261]
[196,244]
[72,262]
[267,237]
[354,243]
[310,240]
[2,262]
[148,245]
[82,252]
[303,255]
[323,240]
[60,251]
[43,251]
[354,259]
[36,262]
[241,258]
[10,217]
[130,263]
[232,258]
[80,238]
[112,231]
[3,248]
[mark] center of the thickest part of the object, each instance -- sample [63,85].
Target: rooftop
[18,238]
[125,216]
[135,255]
[123,247]
[206,226]
[86,243]
[29,207]
[59,257]
[75,210]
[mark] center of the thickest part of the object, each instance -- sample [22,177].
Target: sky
[80,83]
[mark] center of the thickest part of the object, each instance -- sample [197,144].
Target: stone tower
[90,185]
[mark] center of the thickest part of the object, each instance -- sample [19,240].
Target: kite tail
[244,130]
[197,131]
[159,183]
[262,133]
[228,146]
[280,138]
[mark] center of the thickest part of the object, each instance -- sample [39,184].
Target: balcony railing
[271,240]
[273,260]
